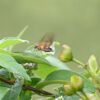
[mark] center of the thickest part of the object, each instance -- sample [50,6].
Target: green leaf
[35,81]
[3,72]
[47,57]
[62,77]
[60,74]
[25,95]
[8,62]
[14,92]
[34,58]
[26,57]
[56,62]
[44,70]
[73,97]
[10,41]
[3,91]
[93,64]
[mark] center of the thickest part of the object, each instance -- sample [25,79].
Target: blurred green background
[75,22]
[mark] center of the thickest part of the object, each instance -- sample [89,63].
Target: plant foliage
[25,74]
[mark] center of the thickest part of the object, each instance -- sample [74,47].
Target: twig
[28,87]
[10,82]
[38,91]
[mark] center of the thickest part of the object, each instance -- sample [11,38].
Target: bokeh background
[75,22]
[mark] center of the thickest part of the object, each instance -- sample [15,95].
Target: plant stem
[30,88]
[82,64]
[78,62]
[19,36]
[22,31]
[38,91]
[86,97]
[80,96]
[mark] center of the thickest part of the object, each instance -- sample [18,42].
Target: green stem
[79,62]
[86,97]
[19,36]
[80,96]
[22,31]
[82,64]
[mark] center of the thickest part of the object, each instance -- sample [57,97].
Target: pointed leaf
[44,70]
[12,66]
[21,57]
[14,92]
[62,77]
[56,62]
[93,64]
[73,97]
[25,95]
[34,58]
[10,41]
[3,91]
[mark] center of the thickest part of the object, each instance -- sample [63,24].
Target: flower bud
[66,54]
[77,83]
[68,90]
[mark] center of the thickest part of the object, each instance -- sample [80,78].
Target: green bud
[66,54]
[77,83]
[68,90]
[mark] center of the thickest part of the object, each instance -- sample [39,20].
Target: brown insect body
[45,43]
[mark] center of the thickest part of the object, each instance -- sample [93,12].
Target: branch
[28,87]
[10,82]
[38,91]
